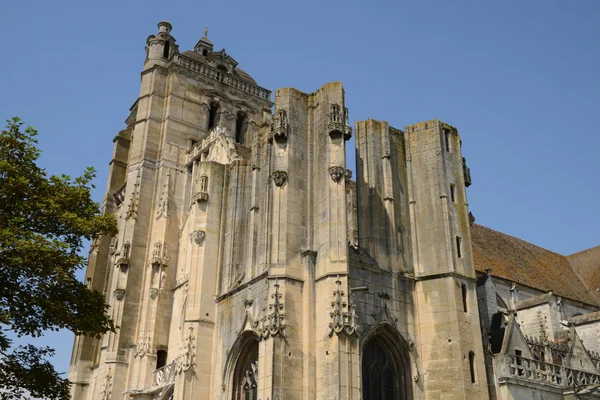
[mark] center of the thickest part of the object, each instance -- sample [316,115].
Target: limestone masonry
[249,265]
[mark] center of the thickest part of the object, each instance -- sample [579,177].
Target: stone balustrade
[540,371]
[164,375]
[221,76]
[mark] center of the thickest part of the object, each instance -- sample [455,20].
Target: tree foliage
[44,221]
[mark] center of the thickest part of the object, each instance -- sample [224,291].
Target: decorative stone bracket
[159,255]
[279,128]
[119,294]
[343,315]
[279,178]
[271,323]
[337,173]
[338,122]
[187,356]
[198,237]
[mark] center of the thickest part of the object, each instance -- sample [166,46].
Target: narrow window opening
[241,127]
[519,357]
[204,52]
[452,193]
[472,366]
[214,115]
[161,358]
[167,49]
[447,139]
[464,296]
[458,247]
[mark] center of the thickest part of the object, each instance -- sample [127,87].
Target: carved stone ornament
[144,346]
[335,126]
[279,128]
[159,254]
[153,292]
[119,294]
[271,323]
[187,355]
[466,172]
[279,178]
[337,173]
[198,237]
[106,392]
[343,315]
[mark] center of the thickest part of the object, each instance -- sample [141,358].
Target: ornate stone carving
[198,237]
[335,126]
[466,172]
[337,173]
[159,254]
[119,294]
[271,323]
[385,315]
[144,346]
[347,128]
[123,261]
[132,208]
[153,293]
[343,315]
[279,178]
[279,128]
[162,210]
[348,175]
[187,355]
[106,392]
[202,193]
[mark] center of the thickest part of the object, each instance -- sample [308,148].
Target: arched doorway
[385,368]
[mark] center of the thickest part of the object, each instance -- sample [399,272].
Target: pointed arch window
[241,128]
[384,372]
[214,115]
[245,385]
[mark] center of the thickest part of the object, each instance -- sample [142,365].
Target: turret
[204,45]
[160,47]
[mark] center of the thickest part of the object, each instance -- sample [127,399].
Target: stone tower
[248,264]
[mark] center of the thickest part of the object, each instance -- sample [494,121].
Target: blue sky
[519,79]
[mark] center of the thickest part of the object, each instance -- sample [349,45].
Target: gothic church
[250,265]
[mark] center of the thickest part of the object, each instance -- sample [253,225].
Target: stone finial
[206,31]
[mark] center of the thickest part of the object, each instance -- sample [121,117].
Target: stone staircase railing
[164,375]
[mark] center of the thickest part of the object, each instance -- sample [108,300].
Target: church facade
[250,265]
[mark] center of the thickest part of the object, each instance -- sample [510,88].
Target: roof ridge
[583,251]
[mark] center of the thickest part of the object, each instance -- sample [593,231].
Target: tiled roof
[587,264]
[519,261]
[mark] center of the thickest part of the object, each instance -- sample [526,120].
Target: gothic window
[472,366]
[452,194]
[214,115]
[241,127]
[167,49]
[463,289]
[459,246]
[245,374]
[447,139]
[204,184]
[382,378]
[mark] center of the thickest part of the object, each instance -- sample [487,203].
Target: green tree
[44,221]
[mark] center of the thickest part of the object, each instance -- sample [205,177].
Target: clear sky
[519,79]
